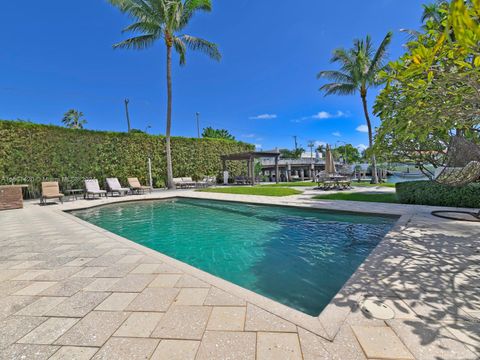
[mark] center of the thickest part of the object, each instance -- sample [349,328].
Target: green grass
[255,190]
[292,183]
[367,184]
[309,183]
[368,197]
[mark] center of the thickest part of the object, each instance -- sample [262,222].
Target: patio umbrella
[329,162]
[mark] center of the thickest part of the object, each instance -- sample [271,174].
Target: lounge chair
[114,187]
[136,187]
[184,182]
[207,181]
[50,190]
[92,188]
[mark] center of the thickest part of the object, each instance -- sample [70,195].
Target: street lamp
[147,127]
[198,124]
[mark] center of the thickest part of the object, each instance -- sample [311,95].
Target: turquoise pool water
[298,257]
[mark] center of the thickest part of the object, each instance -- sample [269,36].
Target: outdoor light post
[197,114]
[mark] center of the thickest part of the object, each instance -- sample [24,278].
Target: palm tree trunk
[370,136]
[170,184]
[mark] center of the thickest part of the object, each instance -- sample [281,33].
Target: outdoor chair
[136,187]
[92,188]
[114,187]
[50,190]
[184,182]
[207,181]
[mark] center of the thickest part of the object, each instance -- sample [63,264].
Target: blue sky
[58,55]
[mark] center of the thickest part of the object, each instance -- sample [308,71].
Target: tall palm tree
[164,20]
[74,119]
[359,69]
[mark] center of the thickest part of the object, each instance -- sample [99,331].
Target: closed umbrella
[329,162]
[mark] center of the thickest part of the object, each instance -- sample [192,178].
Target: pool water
[298,257]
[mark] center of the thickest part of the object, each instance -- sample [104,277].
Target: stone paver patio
[70,290]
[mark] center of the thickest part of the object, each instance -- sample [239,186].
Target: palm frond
[139,9]
[180,48]
[147,27]
[189,9]
[377,62]
[138,42]
[336,76]
[338,89]
[202,45]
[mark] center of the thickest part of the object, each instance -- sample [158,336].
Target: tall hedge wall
[431,193]
[33,152]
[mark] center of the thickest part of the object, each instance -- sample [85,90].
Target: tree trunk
[370,136]
[170,184]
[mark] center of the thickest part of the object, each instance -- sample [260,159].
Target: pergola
[249,157]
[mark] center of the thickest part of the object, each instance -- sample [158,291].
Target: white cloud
[337,134]
[264,117]
[362,147]
[258,147]
[249,136]
[362,128]
[326,115]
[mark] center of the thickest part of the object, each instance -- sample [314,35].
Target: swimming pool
[298,257]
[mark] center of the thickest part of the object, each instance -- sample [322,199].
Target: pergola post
[277,172]
[252,169]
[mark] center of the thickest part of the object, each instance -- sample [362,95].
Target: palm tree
[73,119]
[164,20]
[359,69]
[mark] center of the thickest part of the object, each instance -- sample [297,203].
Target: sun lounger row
[51,189]
[187,182]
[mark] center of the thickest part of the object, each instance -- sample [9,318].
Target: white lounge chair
[114,187]
[92,188]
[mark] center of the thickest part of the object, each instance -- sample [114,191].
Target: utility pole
[127,114]
[295,139]
[198,124]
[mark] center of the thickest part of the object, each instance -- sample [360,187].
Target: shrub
[431,193]
[31,153]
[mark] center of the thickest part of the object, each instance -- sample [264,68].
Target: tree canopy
[212,133]
[433,90]
[74,119]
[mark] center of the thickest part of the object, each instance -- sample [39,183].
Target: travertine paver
[94,329]
[260,320]
[176,350]
[14,328]
[164,280]
[28,351]
[222,298]
[153,299]
[74,352]
[79,304]
[272,346]
[183,322]
[188,296]
[49,331]
[218,345]
[227,318]
[127,348]
[117,302]
[380,342]
[41,306]
[139,324]
[35,288]
[93,293]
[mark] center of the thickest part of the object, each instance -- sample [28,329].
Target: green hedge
[30,153]
[431,193]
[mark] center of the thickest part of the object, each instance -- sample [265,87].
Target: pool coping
[326,324]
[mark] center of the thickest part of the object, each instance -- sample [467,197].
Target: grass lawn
[255,190]
[368,197]
[365,183]
[309,183]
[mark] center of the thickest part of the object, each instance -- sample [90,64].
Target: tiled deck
[69,290]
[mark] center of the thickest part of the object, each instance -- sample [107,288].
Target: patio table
[72,193]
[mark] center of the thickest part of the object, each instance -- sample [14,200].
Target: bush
[431,193]
[31,153]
